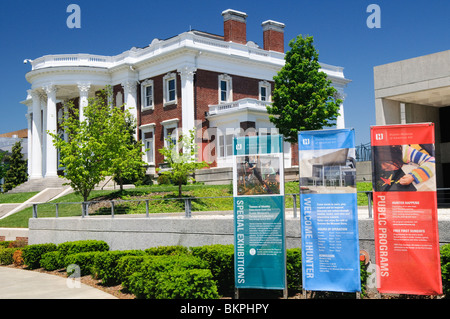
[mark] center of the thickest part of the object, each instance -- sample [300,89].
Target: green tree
[101,145]
[125,152]
[83,154]
[181,159]
[17,171]
[3,165]
[303,98]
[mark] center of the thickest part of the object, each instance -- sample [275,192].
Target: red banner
[405,209]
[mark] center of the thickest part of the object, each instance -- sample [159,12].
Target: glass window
[149,147]
[226,145]
[171,90]
[223,91]
[263,93]
[148,96]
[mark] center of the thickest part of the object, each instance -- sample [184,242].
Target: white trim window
[264,91]
[226,145]
[148,141]
[170,88]
[147,94]
[170,131]
[149,144]
[225,88]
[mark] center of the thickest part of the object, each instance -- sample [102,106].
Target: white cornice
[208,53]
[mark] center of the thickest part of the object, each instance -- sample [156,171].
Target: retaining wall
[122,233]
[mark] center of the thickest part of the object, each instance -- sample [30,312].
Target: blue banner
[259,230]
[329,216]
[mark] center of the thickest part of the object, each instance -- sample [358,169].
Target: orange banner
[405,209]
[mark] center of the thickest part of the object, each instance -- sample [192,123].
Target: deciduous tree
[303,98]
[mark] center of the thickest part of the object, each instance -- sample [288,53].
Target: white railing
[134,55]
[236,105]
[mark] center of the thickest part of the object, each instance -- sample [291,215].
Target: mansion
[219,85]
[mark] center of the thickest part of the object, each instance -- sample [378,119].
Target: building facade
[414,91]
[219,85]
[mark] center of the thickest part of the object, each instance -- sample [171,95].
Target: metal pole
[295,205]
[56,210]
[82,210]
[112,209]
[146,209]
[34,210]
[187,207]
[369,203]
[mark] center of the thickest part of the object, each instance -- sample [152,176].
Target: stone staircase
[37,185]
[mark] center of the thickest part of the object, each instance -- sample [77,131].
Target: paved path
[26,284]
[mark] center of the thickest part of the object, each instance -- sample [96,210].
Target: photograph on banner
[258,174]
[328,170]
[328,205]
[404,168]
[405,209]
[259,229]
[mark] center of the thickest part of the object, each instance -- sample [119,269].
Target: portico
[46,105]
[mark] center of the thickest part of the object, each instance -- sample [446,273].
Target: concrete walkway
[27,284]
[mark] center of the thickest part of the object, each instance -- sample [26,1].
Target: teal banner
[259,227]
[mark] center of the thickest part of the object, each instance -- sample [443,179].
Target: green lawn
[6,198]
[161,199]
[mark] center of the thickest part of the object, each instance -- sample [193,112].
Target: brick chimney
[235,26]
[273,35]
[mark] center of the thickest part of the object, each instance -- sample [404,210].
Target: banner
[405,209]
[259,228]
[329,216]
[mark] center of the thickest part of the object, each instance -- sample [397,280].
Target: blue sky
[30,29]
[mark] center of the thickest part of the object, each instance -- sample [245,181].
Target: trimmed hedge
[186,284]
[294,269]
[6,255]
[104,265]
[56,259]
[445,269]
[51,260]
[167,250]
[84,261]
[220,259]
[145,282]
[32,254]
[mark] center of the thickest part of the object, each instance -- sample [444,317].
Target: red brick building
[219,85]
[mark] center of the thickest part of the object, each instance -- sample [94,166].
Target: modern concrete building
[414,91]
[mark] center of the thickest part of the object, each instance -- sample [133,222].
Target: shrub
[5,244]
[220,259]
[167,250]
[32,254]
[17,257]
[6,255]
[79,246]
[84,260]
[445,269]
[294,269]
[128,265]
[144,283]
[51,260]
[104,265]
[186,284]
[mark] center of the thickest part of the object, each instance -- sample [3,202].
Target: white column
[130,90]
[340,121]
[187,98]
[30,138]
[36,150]
[51,154]
[84,94]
